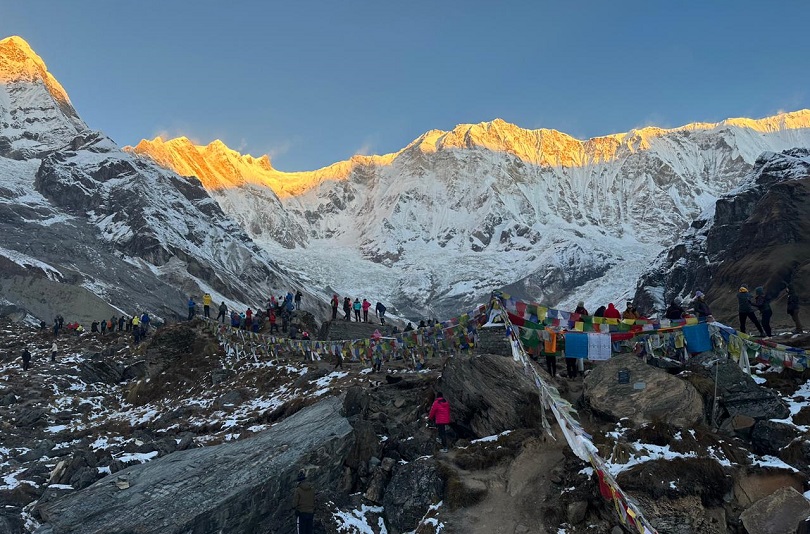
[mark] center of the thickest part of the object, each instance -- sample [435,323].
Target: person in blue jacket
[191,308]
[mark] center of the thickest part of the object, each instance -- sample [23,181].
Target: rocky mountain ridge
[756,234]
[89,231]
[550,217]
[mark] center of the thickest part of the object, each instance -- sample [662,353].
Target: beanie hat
[581,303]
[698,294]
[743,289]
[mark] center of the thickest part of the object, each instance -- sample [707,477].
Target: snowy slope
[77,211]
[437,225]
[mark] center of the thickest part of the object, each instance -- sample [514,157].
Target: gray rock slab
[666,398]
[240,487]
[778,513]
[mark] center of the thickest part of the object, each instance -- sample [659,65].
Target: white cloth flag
[598,347]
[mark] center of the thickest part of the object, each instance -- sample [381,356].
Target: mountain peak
[19,62]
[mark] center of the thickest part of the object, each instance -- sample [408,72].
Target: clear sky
[311,83]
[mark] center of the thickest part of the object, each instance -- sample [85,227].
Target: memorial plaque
[624,376]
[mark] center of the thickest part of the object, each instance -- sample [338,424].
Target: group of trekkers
[138,324]
[278,313]
[357,307]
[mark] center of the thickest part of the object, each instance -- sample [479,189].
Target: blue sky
[312,83]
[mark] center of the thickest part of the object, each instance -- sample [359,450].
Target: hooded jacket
[612,313]
[304,498]
[440,411]
[744,301]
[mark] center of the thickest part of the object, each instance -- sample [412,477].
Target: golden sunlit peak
[18,62]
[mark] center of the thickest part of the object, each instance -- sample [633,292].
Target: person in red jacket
[366,305]
[612,312]
[440,414]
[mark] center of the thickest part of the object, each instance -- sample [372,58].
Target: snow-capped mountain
[437,225]
[83,223]
[757,234]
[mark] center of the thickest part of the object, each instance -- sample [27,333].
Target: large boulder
[778,513]
[489,394]
[414,487]
[239,487]
[651,395]
[737,392]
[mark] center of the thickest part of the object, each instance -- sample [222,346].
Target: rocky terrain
[113,437]
[758,234]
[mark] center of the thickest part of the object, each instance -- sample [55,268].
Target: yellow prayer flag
[579,326]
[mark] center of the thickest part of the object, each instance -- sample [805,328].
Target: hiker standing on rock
[793,309]
[347,309]
[223,312]
[191,308]
[763,304]
[304,504]
[298,300]
[26,358]
[335,303]
[746,310]
[207,305]
[53,352]
[440,414]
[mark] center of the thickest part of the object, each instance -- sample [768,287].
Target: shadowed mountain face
[758,234]
[88,231]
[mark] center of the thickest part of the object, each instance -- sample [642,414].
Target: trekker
[145,321]
[674,311]
[103,324]
[793,309]
[600,311]
[113,323]
[581,308]
[630,311]
[763,304]
[338,359]
[304,504]
[366,305]
[700,306]
[571,367]
[347,309]
[408,328]
[356,307]
[298,300]
[612,312]
[440,414]
[223,312]
[335,303]
[53,352]
[746,310]
[191,308]
[94,327]
[272,320]
[26,358]
[379,311]
[248,317]
[207,305]
[136,328]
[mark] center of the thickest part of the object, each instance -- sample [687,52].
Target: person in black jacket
[793,309]
[700,306]
[745,307]
[763,304]
[304,504]
[674,311]
[26,358]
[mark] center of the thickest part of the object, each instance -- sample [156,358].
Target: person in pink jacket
[440,414]
[366,306]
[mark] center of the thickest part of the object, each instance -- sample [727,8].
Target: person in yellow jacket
[136,328]
[207,305]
